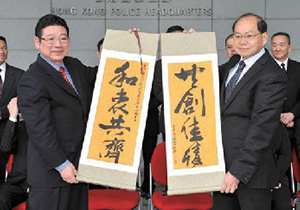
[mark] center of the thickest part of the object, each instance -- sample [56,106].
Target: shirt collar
[250,61]
[3,67]
[285,62]
[54,65]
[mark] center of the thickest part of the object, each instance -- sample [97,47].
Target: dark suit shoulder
[69,59]
[16,69]
[293,65]
[294,62]
[231,62]
[33,75]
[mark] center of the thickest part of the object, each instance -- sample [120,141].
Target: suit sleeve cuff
[13,119]
[63,166]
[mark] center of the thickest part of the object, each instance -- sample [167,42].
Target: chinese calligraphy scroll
[193,135]
[115,130]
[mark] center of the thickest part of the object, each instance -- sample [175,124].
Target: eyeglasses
[247,37]
[52,40]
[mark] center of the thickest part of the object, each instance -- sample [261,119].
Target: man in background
[154,123]
[14,142]
[99,47]
[158,85]
[9,78]
[229,45]
[290,116]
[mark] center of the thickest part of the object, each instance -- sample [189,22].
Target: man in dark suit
[158,84]
[230,51]
[290,116]
[10,77]
[154,123]
[150,140]
[14,141]
[54,96]
[252,97]
[291,109]
[99,47]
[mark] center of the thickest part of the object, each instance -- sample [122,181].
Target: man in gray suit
[252,97]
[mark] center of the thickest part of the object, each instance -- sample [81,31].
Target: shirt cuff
[13,119]
[63,166]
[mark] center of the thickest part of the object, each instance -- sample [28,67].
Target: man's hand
[13,108]
[286,118]
[69,174]
[290,124]
[133,30]
[230,183]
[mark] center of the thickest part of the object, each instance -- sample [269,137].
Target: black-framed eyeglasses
[247,37]
[52,40]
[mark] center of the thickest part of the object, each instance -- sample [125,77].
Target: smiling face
[248,47]
[229,47]
[3,52]
[280,47]
[57,50]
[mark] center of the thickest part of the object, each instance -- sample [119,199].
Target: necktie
[63,73]
[283,66]
[231,84]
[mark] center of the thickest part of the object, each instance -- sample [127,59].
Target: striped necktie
[63,73]
[233,81]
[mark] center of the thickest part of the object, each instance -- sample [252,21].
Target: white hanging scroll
[192,118]
[115,129]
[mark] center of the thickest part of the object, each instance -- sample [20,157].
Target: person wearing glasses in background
[54,97]
[252,96]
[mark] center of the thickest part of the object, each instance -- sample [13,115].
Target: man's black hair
[50,20]
[174,28]
[282,34]
[99,44]
[261,24]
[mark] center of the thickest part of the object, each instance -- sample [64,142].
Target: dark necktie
[231,84]
[1,85]
[283,66]
[63,73]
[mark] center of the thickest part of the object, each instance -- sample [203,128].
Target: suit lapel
[8,82]
[231,63]
[55,76]
[290,69]
[257,66]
